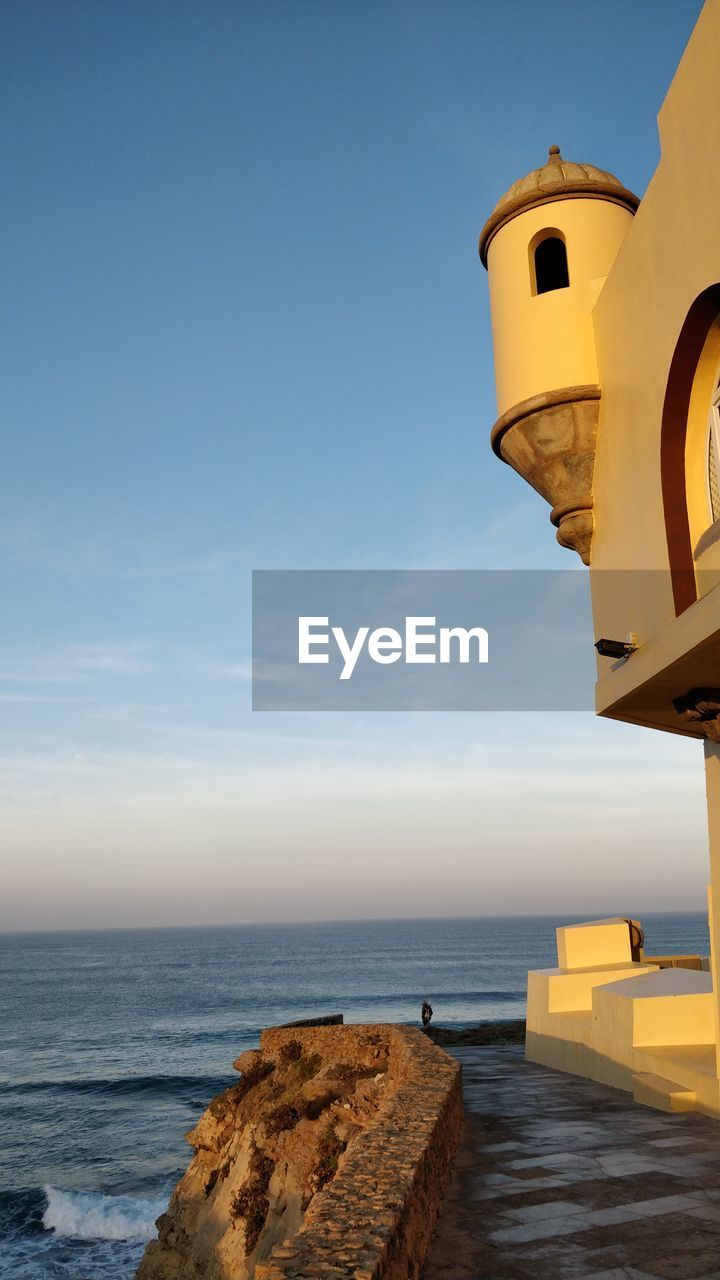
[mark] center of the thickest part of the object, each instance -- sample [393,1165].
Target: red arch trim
[693,334]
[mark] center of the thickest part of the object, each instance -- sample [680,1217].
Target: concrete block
[597,942]
[668,1007]
[664,1095]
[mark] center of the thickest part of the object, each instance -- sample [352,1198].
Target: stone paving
[563,1178]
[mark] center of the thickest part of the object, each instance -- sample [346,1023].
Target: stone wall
[375,1219]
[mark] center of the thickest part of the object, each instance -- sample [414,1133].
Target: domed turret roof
[556,180]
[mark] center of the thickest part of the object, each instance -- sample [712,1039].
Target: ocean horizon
[557,917]
[113,1042]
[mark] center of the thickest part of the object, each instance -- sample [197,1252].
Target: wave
[195,1085]
[21,1210]
[88,1215]
[491,995]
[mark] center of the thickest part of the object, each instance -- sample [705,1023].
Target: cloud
[71,661]
[41,539]
[225,670]
[408,815]
[78,660]
[43,698]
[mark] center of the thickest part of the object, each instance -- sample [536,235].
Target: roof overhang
[569,191]
[684,656]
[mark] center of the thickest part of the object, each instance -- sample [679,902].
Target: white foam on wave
[87,1215]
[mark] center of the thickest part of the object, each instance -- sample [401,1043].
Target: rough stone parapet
[375,1219]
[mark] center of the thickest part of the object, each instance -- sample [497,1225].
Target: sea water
[112,1043]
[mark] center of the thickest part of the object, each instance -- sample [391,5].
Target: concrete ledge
[553,991]
[375,1219]
[668,1007]
[662,1094]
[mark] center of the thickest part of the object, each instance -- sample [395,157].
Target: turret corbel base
[550,441]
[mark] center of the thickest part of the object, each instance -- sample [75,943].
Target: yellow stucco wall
[542,343]
[670,254]
[596,942]
[615,1022]
[712,784]
[633,282]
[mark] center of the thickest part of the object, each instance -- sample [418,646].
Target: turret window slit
[551,265]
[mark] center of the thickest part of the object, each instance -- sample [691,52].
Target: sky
[245,326]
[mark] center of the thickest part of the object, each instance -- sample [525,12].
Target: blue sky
[245,326]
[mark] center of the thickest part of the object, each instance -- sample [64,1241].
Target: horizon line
[579,916]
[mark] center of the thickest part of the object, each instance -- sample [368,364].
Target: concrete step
[664,1095]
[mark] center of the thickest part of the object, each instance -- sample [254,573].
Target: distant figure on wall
[426,1012]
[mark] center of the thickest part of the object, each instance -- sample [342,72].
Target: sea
[112,1044]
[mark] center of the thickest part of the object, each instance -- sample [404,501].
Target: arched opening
[712,472]
[682,383]
[550,263]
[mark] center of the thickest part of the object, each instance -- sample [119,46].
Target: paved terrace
[560,1177]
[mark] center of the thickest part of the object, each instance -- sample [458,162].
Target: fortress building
[606,329]
[546,364]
